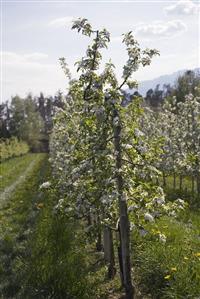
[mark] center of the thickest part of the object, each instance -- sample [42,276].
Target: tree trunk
[174,181]
[99,245]
[157,181]
[192,185]
[180,182]
[164,180]
[89,220]
[124,221]
[119,250]
[109,251]
[198,184]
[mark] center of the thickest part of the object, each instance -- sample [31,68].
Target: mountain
[144,86]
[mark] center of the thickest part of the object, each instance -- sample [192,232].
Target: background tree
[26,123]
[4,120]
[186,84]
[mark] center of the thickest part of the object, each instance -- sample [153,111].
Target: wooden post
[123,214]
[164,180]
[109,251]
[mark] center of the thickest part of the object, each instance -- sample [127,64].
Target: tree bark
[180,182]
[99,245]
[174,181]
[124,221]
[164,180]
[198,184]
[192,185]
[109,251]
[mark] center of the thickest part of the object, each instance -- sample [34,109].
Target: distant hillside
[144,86]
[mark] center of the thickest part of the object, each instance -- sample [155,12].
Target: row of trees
[184,85]
[103,164]
[178,123]
[11,147]
[29,119]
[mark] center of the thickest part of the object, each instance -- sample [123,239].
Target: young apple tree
[96,145]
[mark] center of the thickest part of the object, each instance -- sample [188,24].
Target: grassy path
[20,179]
[10,170]
[17,219]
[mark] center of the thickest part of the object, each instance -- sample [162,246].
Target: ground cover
[17,218]
[65,265]
[11,169]
[167,257]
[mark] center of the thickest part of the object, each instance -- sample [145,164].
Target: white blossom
[138,133]
[128,146]
[116,121]
[45,185]
[148,217]
[162,238]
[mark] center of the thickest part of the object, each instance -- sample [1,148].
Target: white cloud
[36,56]
[182,7]
[14,58]
[61,22]
[117,38]
[22,73]
[160,29]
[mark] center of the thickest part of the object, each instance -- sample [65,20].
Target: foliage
[168,269]
[188,83]
[30,119]
[83,153]
[179,126]
[26,123]
[102,161]
[12,147]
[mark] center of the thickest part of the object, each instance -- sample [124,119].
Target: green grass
[10,170]
[169,270]
[62,266]
[17,219]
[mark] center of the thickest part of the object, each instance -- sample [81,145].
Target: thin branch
[93,65]
[125,80]
[132,163]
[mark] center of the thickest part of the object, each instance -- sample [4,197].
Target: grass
[62,265]
[17,218]
[56,249]
[13,168]
[52,246]
[169,270]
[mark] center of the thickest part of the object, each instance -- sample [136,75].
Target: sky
[35,34]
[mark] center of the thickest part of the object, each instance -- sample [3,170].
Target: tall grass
[169,270]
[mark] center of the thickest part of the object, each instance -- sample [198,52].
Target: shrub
[12,147]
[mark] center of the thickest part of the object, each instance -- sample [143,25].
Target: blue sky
[36,34]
